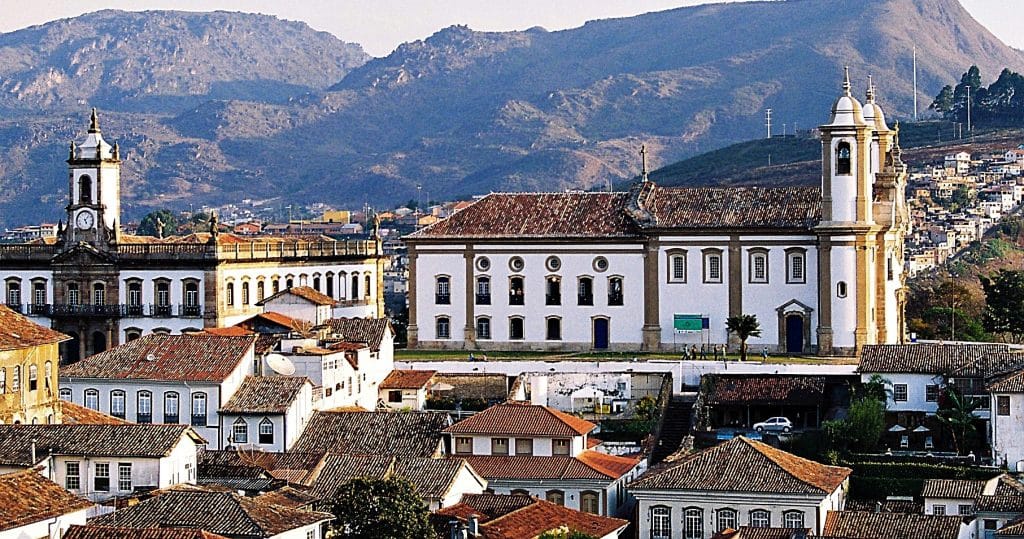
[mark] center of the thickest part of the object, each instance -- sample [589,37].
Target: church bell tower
[94,188]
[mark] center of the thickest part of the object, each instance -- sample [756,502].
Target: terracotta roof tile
[218,512]
[129,440]
[733,207]
[282,320]
[489,387]
[586,466]
[230,331]
[516,418]
[1014,528]
[76,414]
[17,331]
[407,379]
[368,330]
[487,506]
[870,525]
[265,395]
[542,516]
[307,293]
[766,389]
[952,488]
[29,497]
[433,478]
[335,470]
[745,465]
[119,532]
[197,357]
[747,532]
[610,465]
[412,434]
[1010,383]
[922,358]
[287,496]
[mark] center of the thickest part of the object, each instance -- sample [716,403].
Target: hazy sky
[381,25]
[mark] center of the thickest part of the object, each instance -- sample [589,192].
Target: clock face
[84,220]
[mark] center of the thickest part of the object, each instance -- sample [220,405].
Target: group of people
[717,352]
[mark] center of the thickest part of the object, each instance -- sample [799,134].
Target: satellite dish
[150,357]
[280,364]
[441,386]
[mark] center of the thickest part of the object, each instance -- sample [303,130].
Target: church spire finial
[871,90]
[643,163]
[94,122]
[846,80]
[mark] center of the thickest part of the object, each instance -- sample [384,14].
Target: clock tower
[94,187]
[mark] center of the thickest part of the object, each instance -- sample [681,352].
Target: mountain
[465,112]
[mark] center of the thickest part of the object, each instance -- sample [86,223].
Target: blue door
[600,333]
[795,334]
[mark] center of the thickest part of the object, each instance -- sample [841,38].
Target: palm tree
[958,417]
[744,326]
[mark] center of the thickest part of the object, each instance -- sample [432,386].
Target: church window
[553,296]
[554,329]
[245,293]
[758,266]
[553,263]
[355,286]
[516,264]
[14,294]
[443,290]
[84,189]
[230,293]
[796,266]
[843,159]
[615,296]
[712,266]
[516,328]
[261,290]
[483,328]
[483,290]
[366,287]
[516,291]
[600,264]
[33,377]
[677,267]
[329,284]
[443,327]
[585,291]
[39,293]
[316,283]
[73,294]
[841,289]
[99,294]
[483,263]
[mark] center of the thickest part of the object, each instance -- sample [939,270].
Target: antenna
[915,83]
[643,163]
[768,121]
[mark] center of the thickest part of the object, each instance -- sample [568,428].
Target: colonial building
[658,267]
[28,370]
[103,287]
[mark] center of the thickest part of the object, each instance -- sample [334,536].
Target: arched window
[47,374]
[693,523]
[516,328]
[712,265]
[316,283]
[3,381]
[117,403]
[266,431]
[615,296]
[796,265]
[171,416]
[758,262]
[553,329]
[760,518]
[16,379]
[443,290]
[99,294]
[443,327]
[590,502]
[84,189]
[841,289]
[135,297]
[483,327]
[366,286]
[585,291]
[843,160]
[230,294]
[661,522]
[553,292]
[73,295]
[99,342]
[33,377]
[329,281]
[793,519]
[14,294]
[677,267]
[261,291]
[355,286]
[239,432]
[556,497]
[516,291]
[64,393]
[275,285]
[39,292]
[519,492]
[144,407]
[92,399]
[483,290]
[131,334]
[289,282]
[727,518]
[199,409]
[163,297]
[303,279]
[245,293]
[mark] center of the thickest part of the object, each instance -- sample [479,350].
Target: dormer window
[843,159]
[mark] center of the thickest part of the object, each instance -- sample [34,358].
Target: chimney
[474,526]
[878,507]
[34,461]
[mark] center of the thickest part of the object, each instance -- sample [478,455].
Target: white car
[782,424]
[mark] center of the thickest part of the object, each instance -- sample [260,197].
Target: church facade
[662,268]
[102,287]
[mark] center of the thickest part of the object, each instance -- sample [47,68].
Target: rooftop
[119,532]
[744,465]
[870,525]
[130,440]
[307,293]
[407,379]
[29,497]
[409,434]
[588,465]
[523,419]
[952,488]
[198,357]
[368,330]
[521,517]
[76,414]
[766,389]
[265,395]
[17,332]
[922,358]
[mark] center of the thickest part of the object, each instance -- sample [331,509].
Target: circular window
[483,263]
[553,263]
[516,264]
[600,264]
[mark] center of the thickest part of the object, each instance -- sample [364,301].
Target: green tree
[875,388]
[379,509]
[943,103]
[565,533]
[744,327]
[956,413]
[865,423]
[1004,303]
[164,218]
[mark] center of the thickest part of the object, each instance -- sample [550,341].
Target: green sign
[687,322]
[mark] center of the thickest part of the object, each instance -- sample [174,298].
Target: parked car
[781,424]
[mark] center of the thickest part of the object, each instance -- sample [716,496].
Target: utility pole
[768,121]
[969,128]
[915,83]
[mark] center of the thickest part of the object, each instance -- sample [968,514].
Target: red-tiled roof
[766,389]
[922,358]
[524,419]
[586,466]
[29,497]
[282,320]
[265,395]
[542,516]
[1010,383]
[368,330]
[129,440]
[952,488]
[287,496]
[17,331]
[1014,528]
[75,414]
[230,331]
[116,532]
[411,434]
[870,525]
[610,465]
[197,357]
[747,532]
[732,207]
[304,292]
[745,465]
[407,379]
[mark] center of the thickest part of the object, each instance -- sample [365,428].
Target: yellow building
[29,358]
[336,216]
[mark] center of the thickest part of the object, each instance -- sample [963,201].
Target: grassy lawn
[460,355]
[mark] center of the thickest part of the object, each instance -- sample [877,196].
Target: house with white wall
[35,507]
[1007,420]
[405,389]
[301,303]
[267,413]
[527,449]
[740,482]
[99,462]
[988,507]
[164,379]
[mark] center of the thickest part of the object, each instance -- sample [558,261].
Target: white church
[662,268]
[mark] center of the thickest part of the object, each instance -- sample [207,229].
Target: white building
[405,390]
[99,462]
[741,482]
[660,267]
[267,413]
[103,287]
[164,379]
[1007,420]
[37,507]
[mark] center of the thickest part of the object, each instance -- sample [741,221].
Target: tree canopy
[744,326]
[163,218]
[1000,102]
[1004,309]
[379,509]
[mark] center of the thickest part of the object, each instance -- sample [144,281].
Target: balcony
[442,299]
[144,418]
[134,310]
[198,420]
[483,299]
[58,310]
[552,299]
[39,309]
[16,307]
[585,299]
[615,298]
[191,311]
[160,311]
[516,298]
[171,419]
